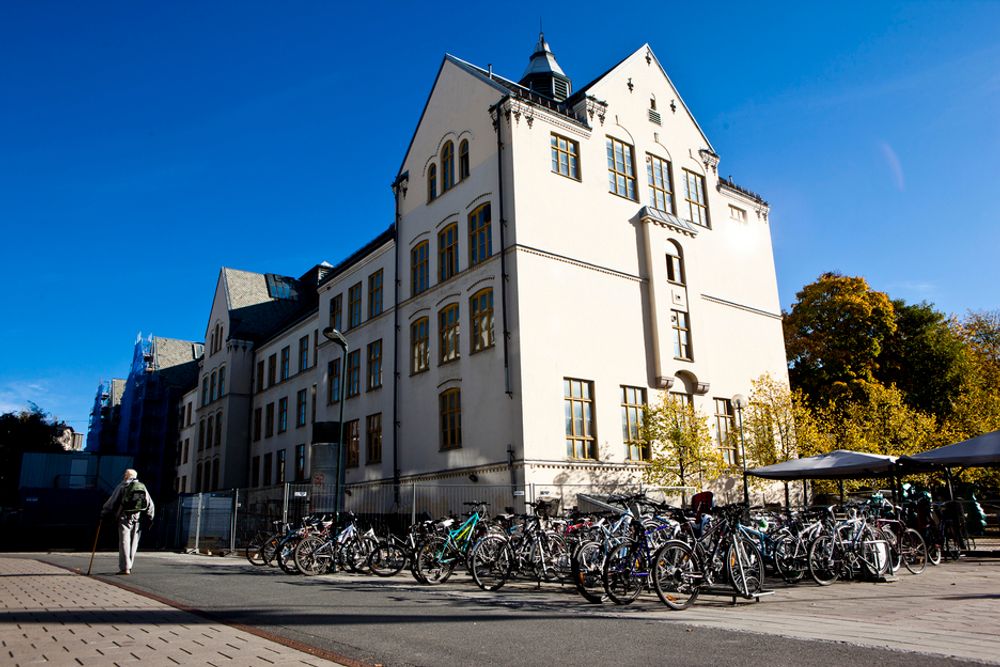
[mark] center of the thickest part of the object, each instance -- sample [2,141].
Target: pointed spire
[543,74]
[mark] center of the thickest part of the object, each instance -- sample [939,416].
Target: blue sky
[144,145]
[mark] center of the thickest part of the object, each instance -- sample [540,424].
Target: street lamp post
[740,402]
[332,334]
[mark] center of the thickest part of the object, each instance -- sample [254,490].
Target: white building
[561,257]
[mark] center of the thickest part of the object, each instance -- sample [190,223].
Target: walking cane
[94,550]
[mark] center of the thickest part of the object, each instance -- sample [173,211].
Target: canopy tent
[838,464]
[983,450]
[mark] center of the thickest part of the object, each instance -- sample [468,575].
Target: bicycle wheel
[269,550]
[914,551]
[790,559]
[356,553]
[587,565]
[386,559]
[895,548]
[824,560]
[934,551]
[744,567]
[546,554]
[435,561]
[876,553]
[624,572]
[308,556]
[676,575]
[253,550]
[286,556]
[492,561]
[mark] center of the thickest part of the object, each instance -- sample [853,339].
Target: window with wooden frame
[353,437]
[354,306]
[373,438]
[279,473]
[694,195]
[353,373]
[272,370]
[675,264]
[332,381]
[375,294]
[269,420]
[481,319]
[448,333]
[725,430]
[210,432]
[282,414]
[420,261]
[222,381]
[633,406]
[420,346]
[661,186]
[336,312]
[258,419]
[374,364]
[204,391]
[578,400]
[300,462]
[286,354]
[201,435]
[447,252]
[480,235]
[432,183]
[304,353]
[211,392]
[621,169]
[218,429]
[447,166]
[300,407]
[565,156]
[260,375]
[463,160]
[682,335]
[450,409]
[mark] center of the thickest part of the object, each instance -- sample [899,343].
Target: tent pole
[841,483]
[951,491]
[805,494]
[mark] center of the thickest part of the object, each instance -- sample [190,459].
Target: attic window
[281,287]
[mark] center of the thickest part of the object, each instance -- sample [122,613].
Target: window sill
[576,179]
[445,362]
[420,372]
[625,197]
[483,349]
[371,389]
[450,449]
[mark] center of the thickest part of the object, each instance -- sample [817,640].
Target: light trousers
[128,540]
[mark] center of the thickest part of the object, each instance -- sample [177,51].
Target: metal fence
[226,521]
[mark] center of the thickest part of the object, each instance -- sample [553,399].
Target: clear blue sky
[145,144]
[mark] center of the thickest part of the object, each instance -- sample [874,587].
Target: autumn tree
[834,334]
[681,445]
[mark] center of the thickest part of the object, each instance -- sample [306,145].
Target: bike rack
[736,597]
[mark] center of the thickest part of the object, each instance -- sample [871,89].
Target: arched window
[432,188]
[447,166]
[675,264]
[480,238]
[420,347]
[447,252]
[463,160]
[420,268]
[450,409]
[481,319]
[448,330]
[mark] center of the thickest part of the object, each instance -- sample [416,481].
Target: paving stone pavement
[51,616]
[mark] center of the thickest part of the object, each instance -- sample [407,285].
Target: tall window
[694,195]
[258,415]
[373,438]
[336,312]
[201,435]
[353,436]
[272,370]
[432,181]
[269,420]
[565,156]
[282,414]
[210,432]
[447,252]
[353,373]
[682,334]
[450,409]
[481,316]
[633,402]
[211,392]
[218,429]
[304,353]
[260,375]
[333,381]
[579,405]
[675,263]
[448,333]
[268,459]
[621,169]
[420,348]
[725,430]
[286,354]
[420,268]
[222,381]
[375,364]
[300,407]
[463,160]
[354,306]
[279,473]
[300,462]
[375,294]
[447,166]
[661,189]
[480,235]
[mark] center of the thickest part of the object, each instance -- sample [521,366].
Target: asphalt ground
[399,622]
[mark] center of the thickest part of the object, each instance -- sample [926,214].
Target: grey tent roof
[838,464]
[983,450]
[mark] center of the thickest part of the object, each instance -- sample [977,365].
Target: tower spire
[543,74]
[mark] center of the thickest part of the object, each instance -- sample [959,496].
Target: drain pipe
[496,109]
[396,191]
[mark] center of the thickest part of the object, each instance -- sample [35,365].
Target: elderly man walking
[127,504]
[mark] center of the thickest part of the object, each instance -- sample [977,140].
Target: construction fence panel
[591,496]
[205,521]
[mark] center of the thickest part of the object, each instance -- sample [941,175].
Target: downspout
[395,341]
[503,247]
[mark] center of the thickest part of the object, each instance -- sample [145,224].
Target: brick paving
[55,617]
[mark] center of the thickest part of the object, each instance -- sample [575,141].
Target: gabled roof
[253,312]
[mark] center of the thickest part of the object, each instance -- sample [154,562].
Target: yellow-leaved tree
[681,445]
